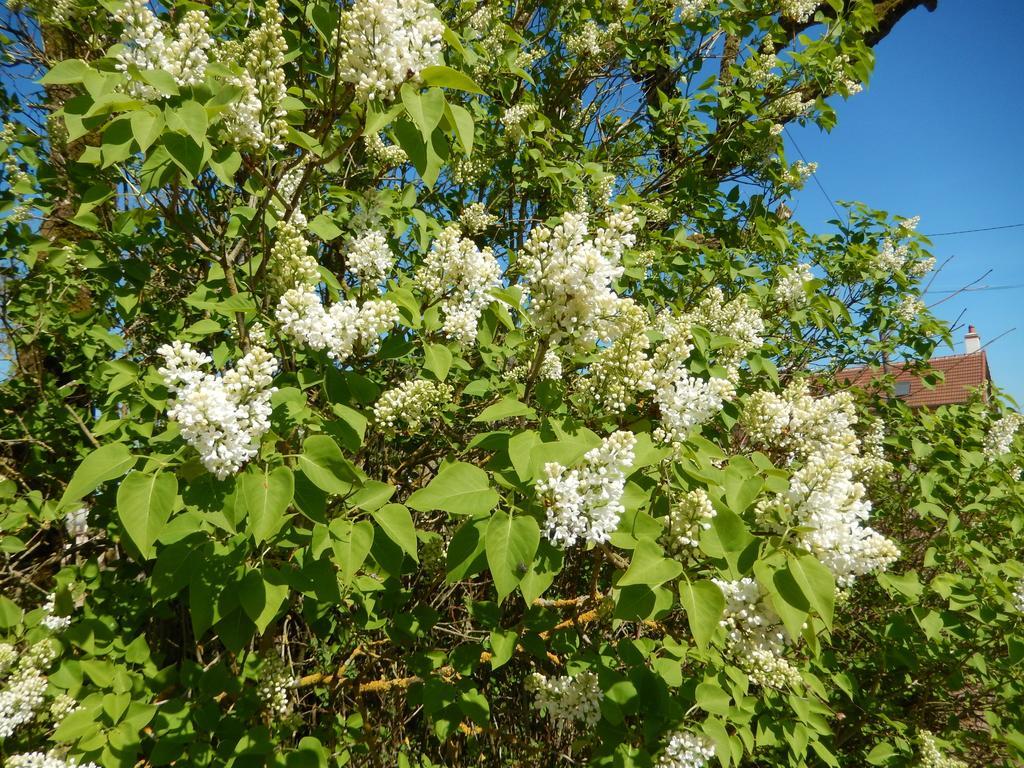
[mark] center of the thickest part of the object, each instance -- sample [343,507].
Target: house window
[902,388]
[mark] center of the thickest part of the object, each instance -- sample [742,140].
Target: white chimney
[972,341]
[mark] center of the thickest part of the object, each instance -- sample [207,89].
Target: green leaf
[144,505]
[462,123]
[324,228]
[105,463]
[711,698]
[147,124]
[321,461]
[704,604]
[446,77]
[506,408]
[378,121]
[459,489]
[192,117]
[503,645]
[10,613]
[351,543]
[817,584]
[425,109]
[186,153]
[437,360]
[649,566]
[372,495]
[267,495]
[261,599]
[161,80]
[510,544]
[881,753]
[67,71]
[397,523]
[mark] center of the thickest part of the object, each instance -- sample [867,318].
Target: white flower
[687,402]
[569,276]
[383,43]
[384,155]
[76,522]
[1000,435]
[257,118]
[222,417]
[338,330]
[567,699]
[24,691]
[829,504]
[514,117]
[412,402]
[44,760]
[586,502]
[291,263]
[1018,596]
[369,257]
[51,622]
[798,10]
[461,275]
[754,634]
[932,756]
[909,309]
[273,687]
[147,46]
[686,750]
[686,519]
[475,218]
[792,287]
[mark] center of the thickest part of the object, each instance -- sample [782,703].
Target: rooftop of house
[963,375]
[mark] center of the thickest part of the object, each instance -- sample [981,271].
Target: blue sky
[939,132]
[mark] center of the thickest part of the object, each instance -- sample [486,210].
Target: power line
[980,288]
[969,231]
[813,175]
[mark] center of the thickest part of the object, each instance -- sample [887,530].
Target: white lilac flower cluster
[23,691]
[1000,435]
[689,516]
[13,171]
[909,309]
[412,403]
[384,155]
[585,503]
[892,257]
[291,263]
[370,258]
[791,288]
[910,224]
[754,634]
[338,331]
[460,275]
[622,369]
[50,620]
[567,699]
[735,320]
[791,104]
[44,760]
[569,275]
[798,10]
[932,756]
[222,417]
[62,706]
[872,464]
[686,402]
[686,749]
[475,218]
[257,118]
[147,45]
[382,43]
[76,522]
[515,116]
[690,9]
[829,504]
[1018,596]
[550,366]
[273,687]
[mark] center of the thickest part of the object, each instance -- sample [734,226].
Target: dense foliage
[391,383]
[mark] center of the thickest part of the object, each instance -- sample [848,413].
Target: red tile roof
[964,375]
